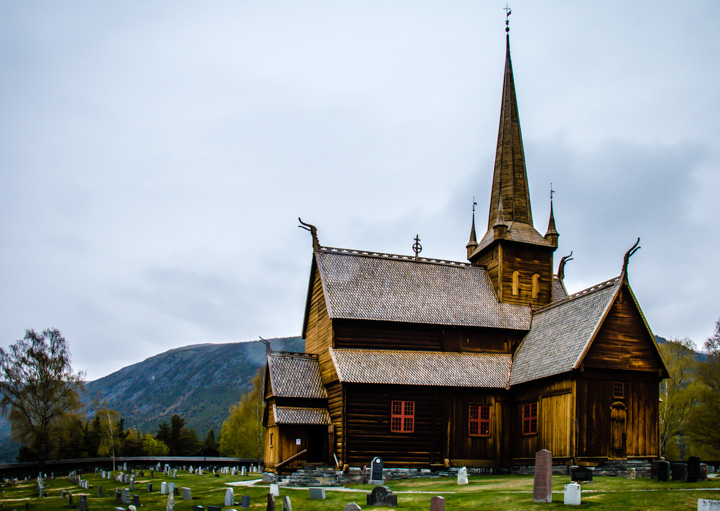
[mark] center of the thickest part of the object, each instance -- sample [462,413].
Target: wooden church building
[429,363]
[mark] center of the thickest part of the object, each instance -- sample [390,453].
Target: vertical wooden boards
[319,332]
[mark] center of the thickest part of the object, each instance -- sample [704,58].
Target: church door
[617,429]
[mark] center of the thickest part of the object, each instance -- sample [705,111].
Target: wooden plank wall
[386,335]
[594,399]
[473,450]
[368,426]
[319,333]
[335,408]
[623,341]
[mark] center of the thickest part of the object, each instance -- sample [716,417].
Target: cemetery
[690,485]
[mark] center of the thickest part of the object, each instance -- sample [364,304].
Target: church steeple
[472,243]
[510,158]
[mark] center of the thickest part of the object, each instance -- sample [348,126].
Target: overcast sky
[155,156]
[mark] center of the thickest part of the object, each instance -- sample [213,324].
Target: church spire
[509,176]
[472,243]
[552,235]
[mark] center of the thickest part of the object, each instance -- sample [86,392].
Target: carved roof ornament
[417,247]
[472,243]
[563,261]
[629,254]
[313,231]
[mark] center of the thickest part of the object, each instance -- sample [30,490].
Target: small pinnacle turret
[472,243]
[552,235]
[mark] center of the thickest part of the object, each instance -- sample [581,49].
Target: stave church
[429,363]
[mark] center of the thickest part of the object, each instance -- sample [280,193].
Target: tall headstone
[703,472]
[437,503]
[245,501]
[229,497]
[287,506]
[149,487]
[462,477]
[132,483]
[136,500]
[126,495]
[170,506]
[99,490]
[171,488]
[82,505]
[270,502]
[693,469]
[275,490]
[542,486]
[376,471]
[175,474]
[163,488]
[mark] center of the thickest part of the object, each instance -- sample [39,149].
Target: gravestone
[229,497]
[215,508]
[270,502]
[660,470]
[376,471]
[126,495]
[163,488]
[170,502]
[275,490]
[381,496]
[186,493]
[99,490]
[171,488]
[136,500]
[679,471]
[62,495]
[152,473]
[708,505]
[175,474]
[352,506]
[132,483]
[149,487]
[245,501]
[581,474]
[572,495]
[542,485]
[82,505]
[317,493]
[703,472]
[437,503]
[632,474]
[287,506]
[462,477]
[693,469]
[198,508]
[117,494]
[70,500]
[243,471]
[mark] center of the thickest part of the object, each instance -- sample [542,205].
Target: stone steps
[313,476]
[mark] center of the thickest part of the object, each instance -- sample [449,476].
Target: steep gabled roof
[561,333]
[295,375]
[386,287]
[427,368]
[558,290]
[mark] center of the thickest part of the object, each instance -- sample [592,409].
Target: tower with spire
[519,260]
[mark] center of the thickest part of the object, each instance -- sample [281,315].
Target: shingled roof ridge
[395,257]
[585,292]
[293,354]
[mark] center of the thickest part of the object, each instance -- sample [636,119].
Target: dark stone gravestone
[99,490]
[693,469]
[581,474]
[136,500]
[176,491]
[660,470]
[198,508]
[245,501]
[117,495]
[214,508]
[270,502]
[542,485]
[376,471]
[149,487]
[679,471]
[70,500]
[317,493]
[703,472]
[62,495]
[437,503]
[83,503]
[381,496]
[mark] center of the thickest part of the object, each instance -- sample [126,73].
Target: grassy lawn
[483,492]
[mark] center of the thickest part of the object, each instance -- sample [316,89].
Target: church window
[402,417]
[479,423]
[529,418]
[619,390]
[535,285]
[516,283]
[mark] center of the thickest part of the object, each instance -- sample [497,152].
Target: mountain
[199,382]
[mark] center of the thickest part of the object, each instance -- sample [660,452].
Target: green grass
[483,492]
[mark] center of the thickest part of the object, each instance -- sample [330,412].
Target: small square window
[402,416]
[479,422]
[529,418]
[619,390]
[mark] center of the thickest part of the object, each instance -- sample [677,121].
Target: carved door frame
[618,428]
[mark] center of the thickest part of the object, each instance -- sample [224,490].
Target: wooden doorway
[618,437]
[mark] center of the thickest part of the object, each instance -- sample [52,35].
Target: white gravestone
[572,494]
[229,497]
[462,477]
[275,490]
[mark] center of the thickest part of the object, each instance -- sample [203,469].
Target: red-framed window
[479,420]
[402,416]
[529,418]
[619,390]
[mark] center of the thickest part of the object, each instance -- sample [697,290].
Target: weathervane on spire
[552,192]
[474,204]
[508,12]
[417,247]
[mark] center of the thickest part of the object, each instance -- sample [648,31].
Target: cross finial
[474,204]
[508,12]
[417,247]
[552,192]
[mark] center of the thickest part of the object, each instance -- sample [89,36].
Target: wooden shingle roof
[301,415]
[429,368]
[385,287]
[560,333]
[295,375]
